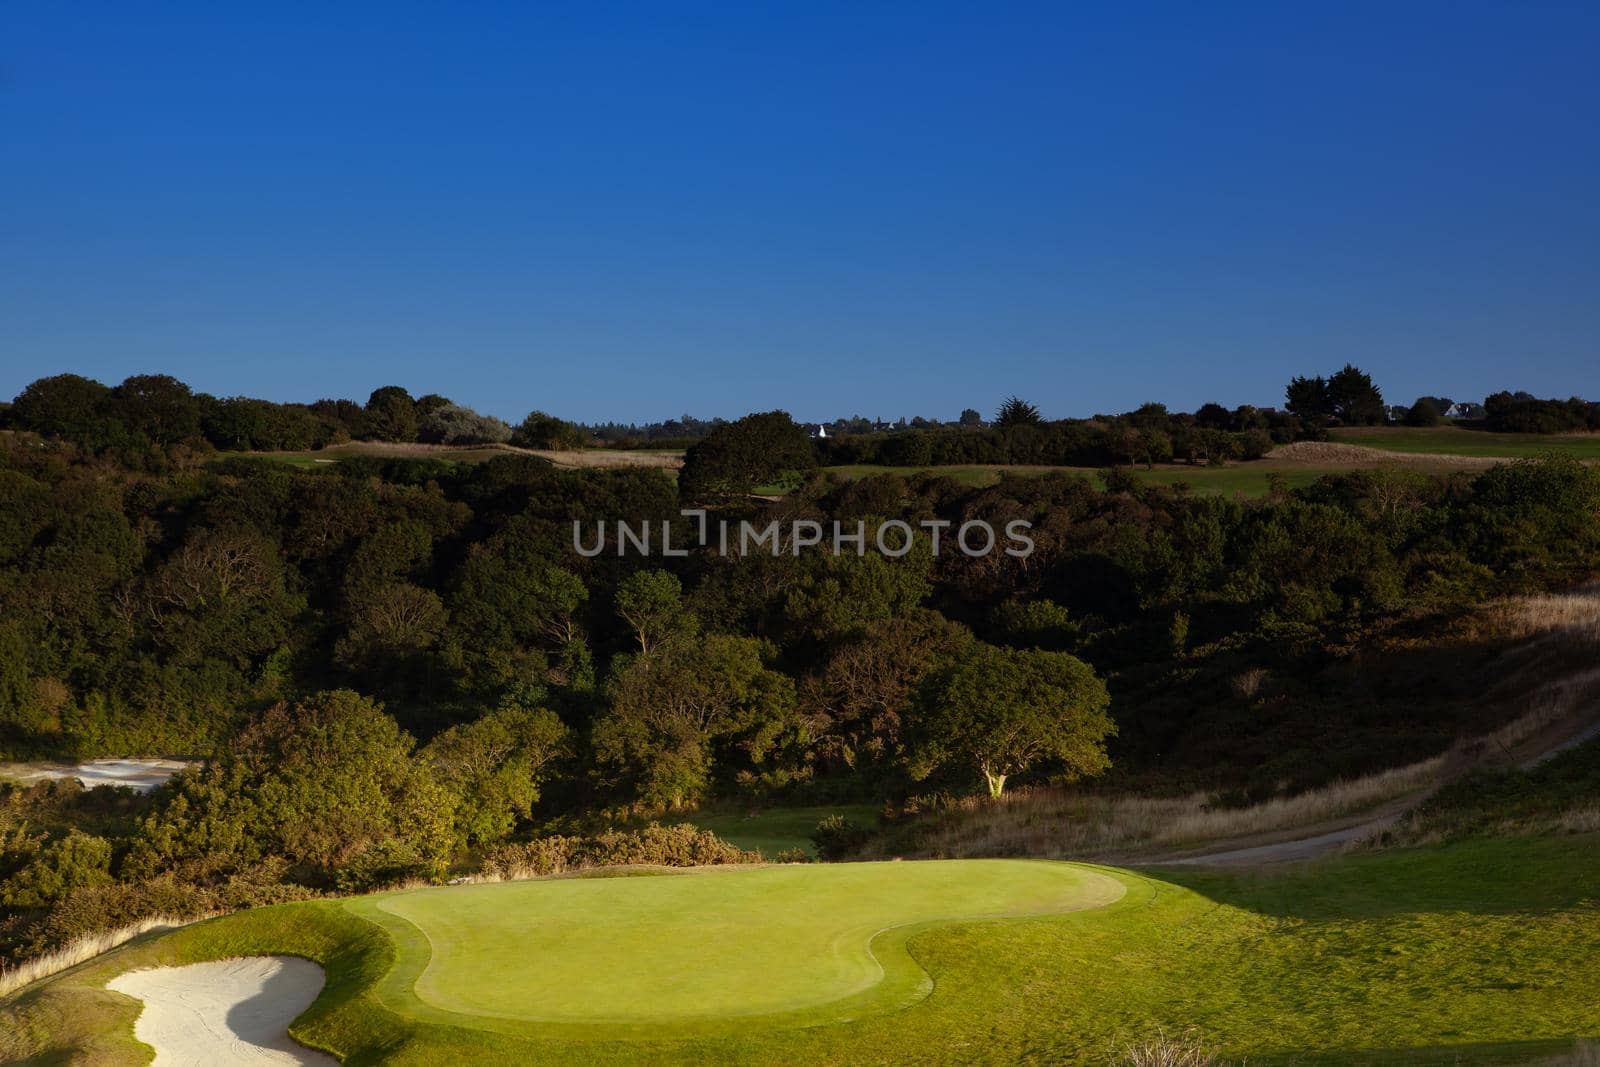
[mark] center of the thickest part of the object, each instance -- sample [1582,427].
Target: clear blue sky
[633,211]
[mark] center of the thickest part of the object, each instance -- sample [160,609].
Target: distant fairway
[796,944]
[1455,441]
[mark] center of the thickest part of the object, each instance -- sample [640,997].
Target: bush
[91,911]
[836,837]
[655,845]
[381,866]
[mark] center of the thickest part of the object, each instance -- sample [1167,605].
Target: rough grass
[1065,823]
[13,978]
[1475,953]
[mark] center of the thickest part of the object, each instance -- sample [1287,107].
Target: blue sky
[635,211]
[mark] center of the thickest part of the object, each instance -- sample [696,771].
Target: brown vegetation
[1320,453]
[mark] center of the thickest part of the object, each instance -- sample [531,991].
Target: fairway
[713,943]
[1457,441]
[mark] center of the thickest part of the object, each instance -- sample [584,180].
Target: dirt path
[234,1012]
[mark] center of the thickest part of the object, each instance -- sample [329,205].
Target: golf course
[1478,952]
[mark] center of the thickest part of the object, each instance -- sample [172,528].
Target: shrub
[382,865]
[655,845]
[836,837]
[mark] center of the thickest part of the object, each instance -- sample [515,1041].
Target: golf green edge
[903,982]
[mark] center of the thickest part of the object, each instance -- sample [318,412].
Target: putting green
[794,945]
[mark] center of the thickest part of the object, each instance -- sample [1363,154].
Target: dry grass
[1324,452]
[1059,822]
[592,458]
[1573,617]
[85,948]
[1247,684]
[1185,1050]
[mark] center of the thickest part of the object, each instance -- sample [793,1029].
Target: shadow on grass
[1480,877]
[1520,1053]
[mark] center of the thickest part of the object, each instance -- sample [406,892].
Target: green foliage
[391,415]
[1000,711]
[651,603]
[495,765]
[673,711]
[766,449]
[76,861]
[543,431]
[1015,412]
[317,784]
[1423,413]
[1348,397]
[453,424]
[837,838]
[654,845]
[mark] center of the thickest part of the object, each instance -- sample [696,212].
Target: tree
[1001,711]
[391,415]
[1423,413]
[158,406]
[970,417]
[856,703]
[761,449]
[321,784]
[676,714]
[1016,411]
[453,424]
[543,431]
[1353,399]
[1348,396]
[513,618]
[392,620]
[495,766]
[651,603]
[1307,398]
[69,406]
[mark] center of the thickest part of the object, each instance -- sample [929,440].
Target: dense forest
[395,667]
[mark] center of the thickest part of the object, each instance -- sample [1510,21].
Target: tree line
[393,665]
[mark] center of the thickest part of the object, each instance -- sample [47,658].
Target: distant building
[820,433]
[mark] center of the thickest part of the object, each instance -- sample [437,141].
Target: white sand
[228,1012]
[140,775]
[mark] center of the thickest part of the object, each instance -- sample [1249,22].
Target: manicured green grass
[777,830]
[1455,441]
[708,946]
[1480,952]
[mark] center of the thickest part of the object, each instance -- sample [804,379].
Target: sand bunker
[230,1011]
[140,775]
